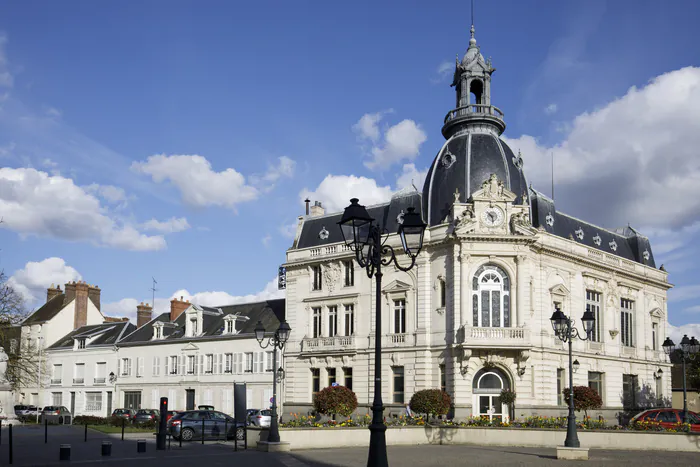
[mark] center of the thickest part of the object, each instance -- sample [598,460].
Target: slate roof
[628,243]
[270,312]
[48,310]
[385,214]
[105,334]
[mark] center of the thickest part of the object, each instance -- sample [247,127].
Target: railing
[473,109]
[78,380]
[496,337]
[330,250]
[328,343]
[397,338]
[56,381]
[99,380]
[93,407]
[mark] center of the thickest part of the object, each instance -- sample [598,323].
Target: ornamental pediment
[190,347]
[396,286]
[559,290]
[493,189]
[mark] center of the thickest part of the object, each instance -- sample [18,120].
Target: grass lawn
[118,429]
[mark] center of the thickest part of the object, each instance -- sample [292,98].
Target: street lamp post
[566,332]
[365,239]
[687,349]
[277,341]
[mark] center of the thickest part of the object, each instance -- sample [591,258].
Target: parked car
[248,413]
[171,414]
[124,413]
[668,418]
[205,407]
[189,425]
[146,415]
[22,410]
[56,414]
[261,418]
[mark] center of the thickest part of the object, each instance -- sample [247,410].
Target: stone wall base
[572,454]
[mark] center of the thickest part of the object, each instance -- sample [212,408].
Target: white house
[473,315]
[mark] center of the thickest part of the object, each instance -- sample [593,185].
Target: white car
[261,418]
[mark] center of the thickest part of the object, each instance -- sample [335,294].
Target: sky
[177,140]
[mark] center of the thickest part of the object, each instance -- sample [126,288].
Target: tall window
[57,398]
[331,376]
[100,372]
[561,384]
[593,304]
[349,273]
[627,322]
[126,367]
[317,321]
[269,356]
[173,364]
[491,297]
[347,376]
[249,362]
[654,334]
[332,321]
[315,380]
[190,364]
[93,401]
[349,320]
[228,368]
[209,368]
[443,378]
[595,381]
[317,277]
[193,327]
[397,386]
[229,326]
[79,376]
[629,391]
[81,343]
[57,376]
[659,389]
[400,316]
[443,293]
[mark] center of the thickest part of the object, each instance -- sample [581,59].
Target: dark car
[205,407]
[171,414]
[124,413]
[668,418]
[146,415]
[215,424]
[56,414]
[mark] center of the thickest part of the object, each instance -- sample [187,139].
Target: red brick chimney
[52,292]
[144,313]
[81,303]
[94,293]
[177,307]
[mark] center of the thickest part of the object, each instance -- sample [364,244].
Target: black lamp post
[277,341]
[687,349]
[566,332]
[365,239]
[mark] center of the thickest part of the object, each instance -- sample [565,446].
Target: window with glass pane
[269,356]
[629,391]
[349,320]
[190,364]
[400,316]
[332,321]
[57,374]
[331,376]
[443,293]
[491,297]
[93,401]
[317,282]
[79,375]
[317,321]
[561,384]
[627,322]
[249,362]
[654,333]
[315,380]
[659,389]
[398,384]
[349,273]
[593,299]
[347,375]
[209,362]
[229,363]
[443,379]
[57,398]
[173,365]
[595,382]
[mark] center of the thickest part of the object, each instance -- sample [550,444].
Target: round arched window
[491,297]
[490,381]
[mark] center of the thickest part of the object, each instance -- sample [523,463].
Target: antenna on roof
[153,291]
[472,12]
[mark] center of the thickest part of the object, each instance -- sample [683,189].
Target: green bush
[90,420]
[585,399]
[431,402]
[118,421]
[337,400]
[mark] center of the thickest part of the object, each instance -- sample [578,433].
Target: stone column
[518,310]
[456,291]
[464,289]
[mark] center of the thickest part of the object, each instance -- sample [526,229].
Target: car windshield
[143,412]
[50,408]
[121,411]
[267,413]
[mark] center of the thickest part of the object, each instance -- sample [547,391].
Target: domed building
[473,316]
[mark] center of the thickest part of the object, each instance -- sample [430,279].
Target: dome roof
[472,54]
[464,163]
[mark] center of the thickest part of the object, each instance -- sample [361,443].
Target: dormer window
[229,327]
[81,343]
[193,326]
[158,331]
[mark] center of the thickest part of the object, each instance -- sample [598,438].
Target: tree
[585,399]
[508,398]
[335,400]
[431,402]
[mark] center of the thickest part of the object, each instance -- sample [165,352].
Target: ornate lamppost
[365,239]
[566,332]
[277,341]
[687,349]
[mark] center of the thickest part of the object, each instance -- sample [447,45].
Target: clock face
[492,216]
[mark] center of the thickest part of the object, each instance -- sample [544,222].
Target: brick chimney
[52,292]
[94,295]
[70,292]
[82,291]
[317,209]
[177,307]
[144,313]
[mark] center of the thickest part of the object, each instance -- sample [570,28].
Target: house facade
[473,316]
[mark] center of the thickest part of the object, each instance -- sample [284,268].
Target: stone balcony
[480,337]
[329,344]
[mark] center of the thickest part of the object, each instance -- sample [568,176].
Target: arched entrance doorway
[486,387]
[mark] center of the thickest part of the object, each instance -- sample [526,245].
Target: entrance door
[109,403]
[132,400]
[487,386]
[490,406]
[189,402]
[72,403]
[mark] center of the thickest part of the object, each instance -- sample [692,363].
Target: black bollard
[10,443]
[180,436]
[162,424]
[123,425]
[106,448]
[0,431]
[46,430]
[141,445]
[225,430]
[86,432]
[202,431]
[64,452]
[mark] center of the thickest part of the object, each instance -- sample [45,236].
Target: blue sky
[177,139]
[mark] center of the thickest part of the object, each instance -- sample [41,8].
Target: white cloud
[110,193]
[126,308]
[289,230]
[410,176]
[401,141]
[335,192]
[444,70]
[551,109]
[172,225]
[266,240]
[692,309]
[367,128]
[198,184]
[266,182]
[34,203]
[676,333]
[33,280]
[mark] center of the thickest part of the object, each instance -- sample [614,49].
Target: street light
[687,349]
[365,239]
[277,341]
[566,332]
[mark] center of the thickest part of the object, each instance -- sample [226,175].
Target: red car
[170,414]
[668,418]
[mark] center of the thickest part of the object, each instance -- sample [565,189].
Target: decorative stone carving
[456,195]
[346,360]
[613,245]
[323,234]
[549,219]
[448,159]
[399,217]
[597,240]
[646,255]
[331,276]
[396,358]
[519,219]
[493,187]
[614,333]
[579,233]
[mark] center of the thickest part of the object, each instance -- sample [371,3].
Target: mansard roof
[270,312]
[626,242]
[96,335]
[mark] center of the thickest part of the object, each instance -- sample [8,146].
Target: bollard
[141,445]
[225,430]
[10,441]
[106,448]
[202,431]
[64,452]
[0,431]
[180,437]
[123,424]
[86,432]
[46,430]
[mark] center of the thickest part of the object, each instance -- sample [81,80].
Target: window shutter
[155,398]
[181,364]
[154,372]
[141,365]
[166,365]
[256,357]
[119,367]
[261,362]
[128,367]
[196,364]
[218,364]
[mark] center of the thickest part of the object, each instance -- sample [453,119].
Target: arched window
[476,89]
[487,386]
[491,297]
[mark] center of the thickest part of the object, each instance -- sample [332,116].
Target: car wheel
[187,434]
[240,433]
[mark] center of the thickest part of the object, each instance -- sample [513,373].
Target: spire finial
[472,40]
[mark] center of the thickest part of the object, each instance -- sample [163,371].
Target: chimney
[177,307]
[317,209]
[81,304]
[144,313]
[70,292]
[307,201]
[94,295]
[52,291]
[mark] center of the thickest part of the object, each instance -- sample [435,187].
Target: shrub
[431,402]
[585,399]
[118,421]
[90,420]
[335,400]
